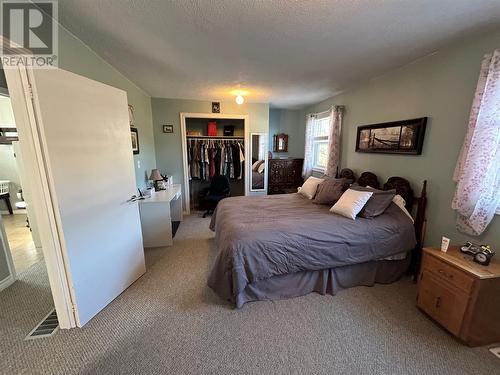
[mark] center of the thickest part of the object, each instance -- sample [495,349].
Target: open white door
[84,132]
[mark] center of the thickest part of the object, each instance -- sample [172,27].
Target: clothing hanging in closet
[209,157]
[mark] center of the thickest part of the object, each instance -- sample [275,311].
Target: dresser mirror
[280,143]
[258,151]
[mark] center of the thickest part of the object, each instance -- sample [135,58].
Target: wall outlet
[138,164]
[496,351]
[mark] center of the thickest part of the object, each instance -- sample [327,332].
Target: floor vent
[47,327]
[496,351]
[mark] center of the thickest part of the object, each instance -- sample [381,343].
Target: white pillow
[261,167]
[351,203]
[310,186]
[256,165]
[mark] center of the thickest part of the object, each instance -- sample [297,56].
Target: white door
[85,132]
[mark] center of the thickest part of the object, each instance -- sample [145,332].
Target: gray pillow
[378,202]
[330,191]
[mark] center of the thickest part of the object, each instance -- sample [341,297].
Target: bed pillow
[378,203]
[401,203]
[310,186]
[330,190]
[256,165]
[351,203]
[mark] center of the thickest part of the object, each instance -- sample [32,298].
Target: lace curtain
[336,116]
[477,173]
[307,168]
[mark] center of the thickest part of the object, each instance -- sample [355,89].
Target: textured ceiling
[287,53]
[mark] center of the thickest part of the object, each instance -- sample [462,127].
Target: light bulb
[240,99]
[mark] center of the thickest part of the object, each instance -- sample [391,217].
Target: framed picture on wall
[135,140]
[397,137]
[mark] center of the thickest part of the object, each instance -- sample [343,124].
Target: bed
[283,246]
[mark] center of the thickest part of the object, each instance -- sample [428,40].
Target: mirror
[280,142]
[258,173]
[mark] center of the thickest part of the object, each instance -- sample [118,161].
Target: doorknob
[438,302]
[134,198]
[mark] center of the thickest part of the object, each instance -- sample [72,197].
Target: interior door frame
[24,98]
[185,166]
[4,243]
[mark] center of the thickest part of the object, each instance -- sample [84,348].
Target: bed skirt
[327,281]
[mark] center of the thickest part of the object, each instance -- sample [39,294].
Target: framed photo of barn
[397,137]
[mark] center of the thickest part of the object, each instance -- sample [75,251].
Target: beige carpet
[170,322]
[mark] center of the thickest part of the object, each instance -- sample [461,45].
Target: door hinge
[30,90]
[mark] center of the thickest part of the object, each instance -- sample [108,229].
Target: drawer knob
[438,302]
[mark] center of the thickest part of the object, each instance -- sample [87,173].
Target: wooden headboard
[403,188]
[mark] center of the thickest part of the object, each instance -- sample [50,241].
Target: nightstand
[462,296]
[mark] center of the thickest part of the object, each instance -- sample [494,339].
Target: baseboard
[16,212]
[5,283]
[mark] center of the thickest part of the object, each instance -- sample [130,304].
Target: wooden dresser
[285,176]
[462,296]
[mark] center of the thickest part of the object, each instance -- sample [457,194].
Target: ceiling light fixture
[240,99]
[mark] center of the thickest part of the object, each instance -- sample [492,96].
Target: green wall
[167,112]
[440,86]
[76,57]
[291,122]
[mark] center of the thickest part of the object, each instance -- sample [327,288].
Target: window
[321,134]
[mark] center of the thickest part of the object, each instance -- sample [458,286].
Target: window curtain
[336,116]
[477,172]
[307,168]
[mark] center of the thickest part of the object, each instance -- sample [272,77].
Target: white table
[157,214]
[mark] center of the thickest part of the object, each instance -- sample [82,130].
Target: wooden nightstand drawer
[450,274]
[441,303]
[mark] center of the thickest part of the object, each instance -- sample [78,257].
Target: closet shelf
[211,137]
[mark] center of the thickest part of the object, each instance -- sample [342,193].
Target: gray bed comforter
[261,237]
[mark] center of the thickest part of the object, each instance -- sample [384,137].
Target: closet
[214,146]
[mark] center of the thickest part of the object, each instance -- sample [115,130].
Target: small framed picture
[168,128]
[215,107]
[135,140]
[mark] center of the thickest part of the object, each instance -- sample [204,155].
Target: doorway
[197,125]
[25,289]
[18,222]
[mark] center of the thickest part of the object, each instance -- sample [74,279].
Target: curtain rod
[328,110]
[320,113]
